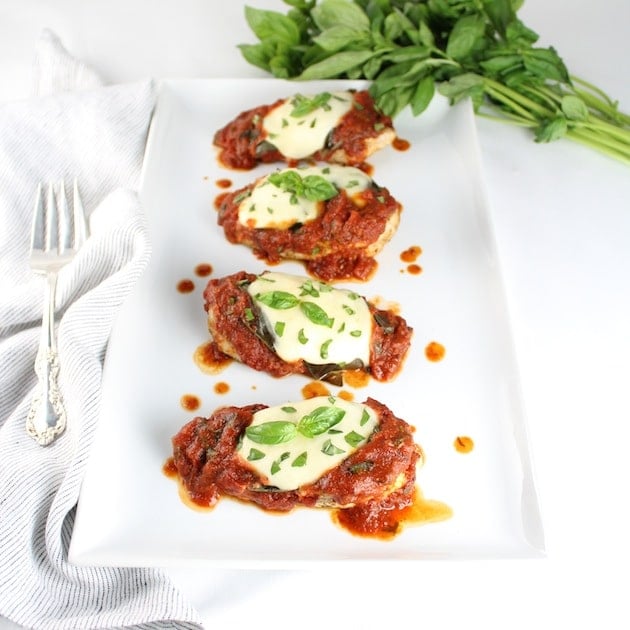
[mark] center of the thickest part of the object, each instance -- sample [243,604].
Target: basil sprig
[311,187]
[311,425]
[409,49]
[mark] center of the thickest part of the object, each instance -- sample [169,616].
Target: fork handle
[46,418]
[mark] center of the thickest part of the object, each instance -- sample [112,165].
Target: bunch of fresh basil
[408,49]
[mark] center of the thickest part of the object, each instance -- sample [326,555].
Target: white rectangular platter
[129,512]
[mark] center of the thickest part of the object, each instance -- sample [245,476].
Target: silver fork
[57,235]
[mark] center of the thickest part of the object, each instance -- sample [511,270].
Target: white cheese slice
[302,459]
[269,206]
[313,321]
[299,136]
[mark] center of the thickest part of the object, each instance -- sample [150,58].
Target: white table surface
[562,220]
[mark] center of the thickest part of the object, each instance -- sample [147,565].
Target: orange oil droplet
[435,351]
[203,269]
[190,402]
[356,378]
[221,388]
[223,183]
[414,270]
[463,444]
[315,388]
[401,145]
[186,286]
[411,254]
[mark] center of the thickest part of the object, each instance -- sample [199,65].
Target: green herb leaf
[303,105]
[320,420]
[328,448]
[254,454]
[280,300]
[353,438]
[271,25]
[300,460]
[316,314]
[273,432]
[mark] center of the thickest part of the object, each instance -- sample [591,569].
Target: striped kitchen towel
[74,127]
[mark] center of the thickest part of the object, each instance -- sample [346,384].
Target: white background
[562,219]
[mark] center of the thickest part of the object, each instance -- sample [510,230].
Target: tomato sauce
[243,143]
[234,323]
[365,490]
[186,286]
[338,244]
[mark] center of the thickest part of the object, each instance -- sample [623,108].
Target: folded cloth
[96,134]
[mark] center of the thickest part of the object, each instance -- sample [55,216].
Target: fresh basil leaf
[462,86]
[256,54]
[422,95]
[316,314]
[272,25]
[317,188]
[337,64]
[281,300]
[501,63]
[467,32]
[394,101]
[334,12]
[320,420]
[574,108]
[500,12]
[339,36]
[546,64]
[552,129]
[272,432]
[520,35]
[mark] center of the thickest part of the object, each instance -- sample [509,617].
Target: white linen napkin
[73,128]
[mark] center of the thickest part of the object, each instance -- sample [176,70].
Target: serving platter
[130,512]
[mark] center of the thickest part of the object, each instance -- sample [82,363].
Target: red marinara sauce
[208,466]
[243,143]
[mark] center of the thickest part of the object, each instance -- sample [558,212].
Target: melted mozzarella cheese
[313,321]
[299,136]
[269,206]
[302,459]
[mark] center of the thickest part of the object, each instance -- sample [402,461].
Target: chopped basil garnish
[279,328]
[300,460]
[303,105]
[364,417]
[355,333]
[288,409]
[329,448]
[302,338]
[353,438]
[323,350]
[254,454]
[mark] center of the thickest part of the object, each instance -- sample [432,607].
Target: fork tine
[80,223]
[63,220]
[52,226]
[37,231]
